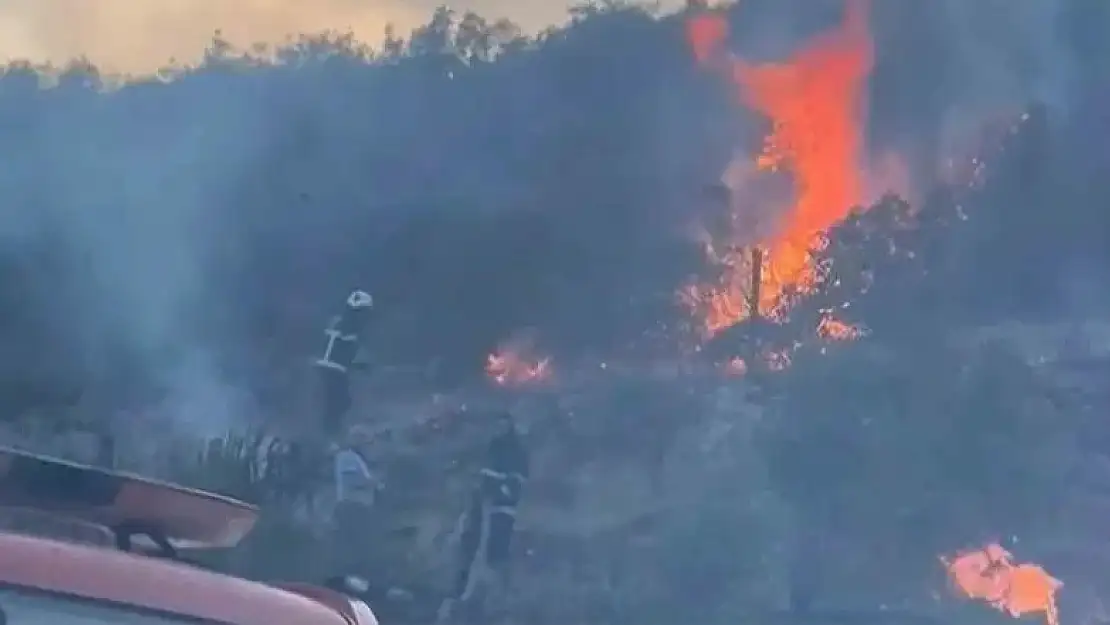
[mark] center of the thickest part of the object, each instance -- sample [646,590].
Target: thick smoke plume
[174,247]
[187,235]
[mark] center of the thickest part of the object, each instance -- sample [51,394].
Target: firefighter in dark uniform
[339,358]
[488,524]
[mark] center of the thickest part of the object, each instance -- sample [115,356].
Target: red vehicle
[85,546]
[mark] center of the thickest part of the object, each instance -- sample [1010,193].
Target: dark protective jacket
[341,343]
[504,471]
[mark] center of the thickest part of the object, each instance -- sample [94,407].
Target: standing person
[488,525]
[338,359]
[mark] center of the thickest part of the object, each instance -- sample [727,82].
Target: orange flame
[833,329]
[510,367]
[772,360]
[725,303]
[706,33]
[990,575]
[814,102]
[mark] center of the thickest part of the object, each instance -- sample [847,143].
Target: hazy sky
[141,35]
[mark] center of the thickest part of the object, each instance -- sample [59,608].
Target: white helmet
[360,299]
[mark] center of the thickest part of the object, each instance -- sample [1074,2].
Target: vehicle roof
[189,518]
[151,583]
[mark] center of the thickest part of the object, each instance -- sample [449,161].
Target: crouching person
[489,522]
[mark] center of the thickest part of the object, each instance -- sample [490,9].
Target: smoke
[945,69]
[177,212]
[1009,50]
[131,200]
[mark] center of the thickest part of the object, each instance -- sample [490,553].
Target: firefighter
[339,358]
[488,524]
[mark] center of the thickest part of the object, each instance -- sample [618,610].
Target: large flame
[990,575]
[814,102]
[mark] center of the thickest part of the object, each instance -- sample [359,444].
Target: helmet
[360,299]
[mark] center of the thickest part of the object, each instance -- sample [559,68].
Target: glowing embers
[515,363]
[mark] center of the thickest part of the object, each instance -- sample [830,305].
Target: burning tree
[910,441]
